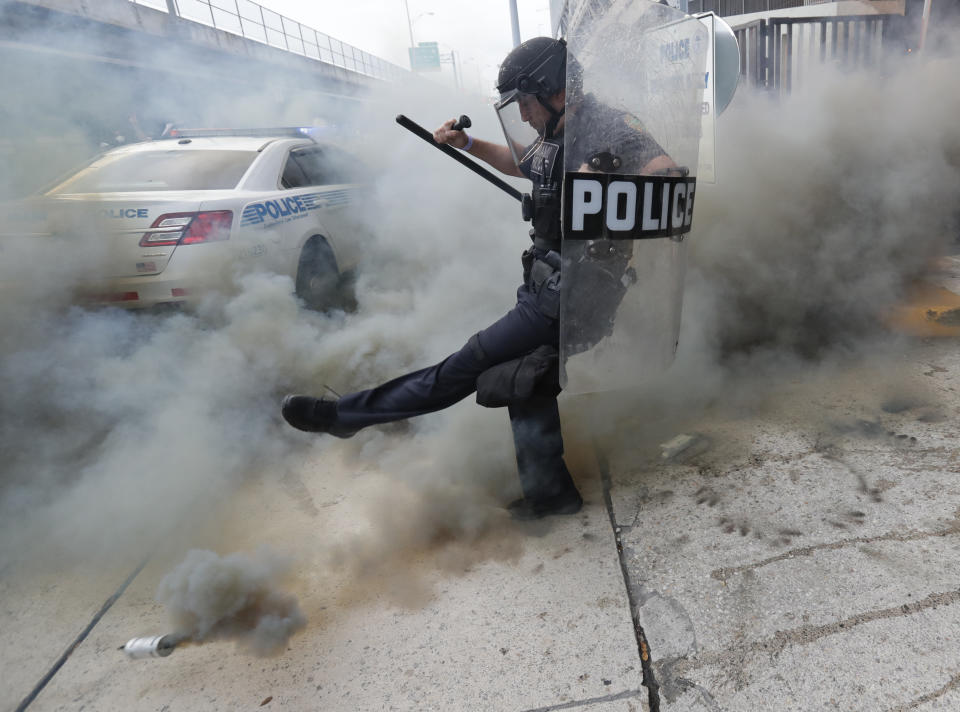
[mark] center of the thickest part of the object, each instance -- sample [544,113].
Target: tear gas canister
[156,646]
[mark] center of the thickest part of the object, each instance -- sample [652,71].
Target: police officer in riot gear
[514,361]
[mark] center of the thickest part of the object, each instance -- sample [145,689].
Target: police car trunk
[119,222]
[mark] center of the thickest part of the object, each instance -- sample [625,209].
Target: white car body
[139,240]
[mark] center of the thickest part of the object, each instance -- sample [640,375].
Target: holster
[544,283]
[526,259]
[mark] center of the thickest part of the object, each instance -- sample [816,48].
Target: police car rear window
[160,170]
[316,165]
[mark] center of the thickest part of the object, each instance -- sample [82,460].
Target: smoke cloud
[127,432]
[235,597]
[828,203]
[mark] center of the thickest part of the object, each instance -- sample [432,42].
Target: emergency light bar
[296,131]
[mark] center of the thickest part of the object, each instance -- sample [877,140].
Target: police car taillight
[208,227]
[188,228]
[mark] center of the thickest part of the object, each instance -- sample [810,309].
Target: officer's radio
[526,207]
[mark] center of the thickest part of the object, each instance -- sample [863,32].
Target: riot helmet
[537,66]
[534,69]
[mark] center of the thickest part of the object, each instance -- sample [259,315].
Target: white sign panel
[707,167]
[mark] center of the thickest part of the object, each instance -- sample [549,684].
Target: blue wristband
[469,143]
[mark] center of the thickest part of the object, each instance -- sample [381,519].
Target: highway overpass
[81,75]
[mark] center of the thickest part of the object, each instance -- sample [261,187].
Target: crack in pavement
[648,680]
[62,660]
[625,695]
[953,683]
[809,633]
[725,573]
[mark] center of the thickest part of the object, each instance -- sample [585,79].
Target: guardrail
[255,22]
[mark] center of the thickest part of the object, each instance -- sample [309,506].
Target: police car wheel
[319,282]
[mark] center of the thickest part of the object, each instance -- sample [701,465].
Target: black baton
[458,156]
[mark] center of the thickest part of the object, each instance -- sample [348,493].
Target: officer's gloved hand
[446,134]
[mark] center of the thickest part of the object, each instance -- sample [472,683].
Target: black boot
[545,480]
[314,415]
[527,508]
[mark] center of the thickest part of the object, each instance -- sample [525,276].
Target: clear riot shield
[635,83]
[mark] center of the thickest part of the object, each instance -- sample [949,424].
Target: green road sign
[425,57]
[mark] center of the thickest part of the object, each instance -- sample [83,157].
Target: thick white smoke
[828,203]
[121,430]
[124,432]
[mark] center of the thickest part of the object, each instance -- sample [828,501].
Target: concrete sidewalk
[808,559]
[539,621]
[799,555]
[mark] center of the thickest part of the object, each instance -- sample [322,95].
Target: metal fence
[725,8]
[255,22]
[774,52]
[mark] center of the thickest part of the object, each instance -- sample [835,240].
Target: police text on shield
[626,207]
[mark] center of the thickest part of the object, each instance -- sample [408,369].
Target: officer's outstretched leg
[423,391]
[544,478]
[516,333]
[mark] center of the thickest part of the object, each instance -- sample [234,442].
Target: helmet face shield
[519,133]
[531,74]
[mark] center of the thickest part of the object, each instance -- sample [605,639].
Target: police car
[161,222]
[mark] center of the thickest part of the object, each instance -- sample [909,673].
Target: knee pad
[536,373]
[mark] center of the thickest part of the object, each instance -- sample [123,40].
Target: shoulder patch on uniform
[633,122]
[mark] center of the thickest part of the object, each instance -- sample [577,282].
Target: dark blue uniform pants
[535,422]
